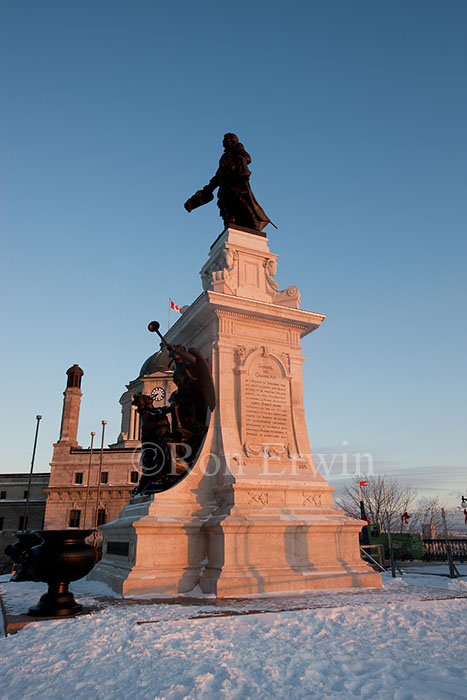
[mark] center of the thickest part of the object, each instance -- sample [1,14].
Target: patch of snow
[196,592]
[93,588]
[380,643]
[306,655]
[457,584]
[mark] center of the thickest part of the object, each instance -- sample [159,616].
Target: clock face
[158,393]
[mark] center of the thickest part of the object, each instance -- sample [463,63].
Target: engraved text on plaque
[266,405]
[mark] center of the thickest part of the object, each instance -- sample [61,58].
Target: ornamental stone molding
[258,498]
[312,499]
[283,297]
[220,273]
[240,266]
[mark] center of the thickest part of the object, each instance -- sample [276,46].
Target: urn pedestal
[62,557]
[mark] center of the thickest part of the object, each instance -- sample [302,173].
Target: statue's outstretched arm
[202,196]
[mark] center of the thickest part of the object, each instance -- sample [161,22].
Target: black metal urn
[26,540]
[63,556]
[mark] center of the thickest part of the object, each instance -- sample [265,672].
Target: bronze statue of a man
[236,201]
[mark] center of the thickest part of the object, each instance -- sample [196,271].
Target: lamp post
[88,482]
[365,533]
[104,423]
[26,507]
[388,525]
[453,572]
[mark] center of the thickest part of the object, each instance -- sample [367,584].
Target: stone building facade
[89,487]
[13,498]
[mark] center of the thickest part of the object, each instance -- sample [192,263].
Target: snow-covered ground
[401,643]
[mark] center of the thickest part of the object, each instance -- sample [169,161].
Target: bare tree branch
[399,499]
[427,517]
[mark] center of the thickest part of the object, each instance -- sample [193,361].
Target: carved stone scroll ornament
[256,449]
[220,273]
[240,354]
[311,499]
[259,497]
[283,297]
[285,357]
[206,277]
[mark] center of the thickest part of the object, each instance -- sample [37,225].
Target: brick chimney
[71,404]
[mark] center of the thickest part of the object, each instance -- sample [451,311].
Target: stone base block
[145,581]
[152,556]
[241,581]
[254,554]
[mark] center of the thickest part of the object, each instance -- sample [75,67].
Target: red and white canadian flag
[363,483]
[175,307]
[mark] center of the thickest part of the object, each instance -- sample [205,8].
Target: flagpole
[168,325]
[388,525]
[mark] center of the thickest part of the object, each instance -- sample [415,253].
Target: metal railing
[435,550]
[375,557]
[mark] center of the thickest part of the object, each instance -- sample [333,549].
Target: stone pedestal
[254,515]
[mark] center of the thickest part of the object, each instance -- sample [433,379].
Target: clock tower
[155,379]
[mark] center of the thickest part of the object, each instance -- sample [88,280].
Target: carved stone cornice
[239,315]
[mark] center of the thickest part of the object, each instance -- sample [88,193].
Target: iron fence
[435,550]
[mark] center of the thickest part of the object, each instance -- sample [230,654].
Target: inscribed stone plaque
[266,407]
[120,549]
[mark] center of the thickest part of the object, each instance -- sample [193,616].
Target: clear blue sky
[113,113]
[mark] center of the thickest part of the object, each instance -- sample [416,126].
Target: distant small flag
[405,518]
[465,516]
[175,307]
[363,483]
